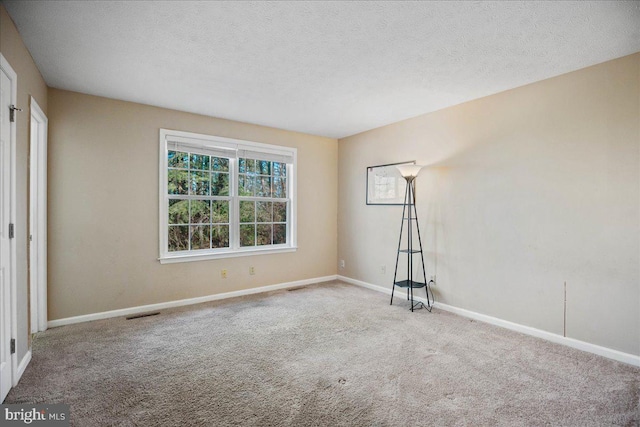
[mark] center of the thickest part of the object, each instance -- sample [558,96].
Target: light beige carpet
[324,355]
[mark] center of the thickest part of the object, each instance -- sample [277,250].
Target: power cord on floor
[430,291]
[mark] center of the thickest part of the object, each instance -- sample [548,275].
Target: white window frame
[234,249]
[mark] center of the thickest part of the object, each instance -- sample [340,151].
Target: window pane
[241,185]
[251,166]
[246,185]
[279,169]
[199,161]
[178,238]
[177,181]
[200,237]
[220,236]
[263,167]
[279,212]
[263,186]
[264,234]
[220,164]
[178,159]
[279,234]
[200,212]
[247,235]
[246,166]
[220,211]
[219,184]
[264,212]
[280,187]
[178,211]
[200,183]
[247,211]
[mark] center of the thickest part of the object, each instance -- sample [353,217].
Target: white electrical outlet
[252,270]
[342,264]
[383,269]
[223,274]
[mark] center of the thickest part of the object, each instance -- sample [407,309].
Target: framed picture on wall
[385,185]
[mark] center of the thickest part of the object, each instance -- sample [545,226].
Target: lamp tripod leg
[411,298]
[393,288]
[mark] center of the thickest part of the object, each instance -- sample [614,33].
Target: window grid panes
[198,201]
[263,202]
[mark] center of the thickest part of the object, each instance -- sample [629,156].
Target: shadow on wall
[490,174]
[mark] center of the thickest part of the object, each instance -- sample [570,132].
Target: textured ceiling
[325,68]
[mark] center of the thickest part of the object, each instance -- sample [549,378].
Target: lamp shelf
[410,251]
[409,284]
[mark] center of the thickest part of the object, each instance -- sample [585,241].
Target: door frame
[38,218]
[6,67]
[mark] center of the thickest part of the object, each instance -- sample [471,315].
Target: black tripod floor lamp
[410,218]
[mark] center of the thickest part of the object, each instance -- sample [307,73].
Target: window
[262,194]
[221,197]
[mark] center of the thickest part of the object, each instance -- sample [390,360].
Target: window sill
[170,259]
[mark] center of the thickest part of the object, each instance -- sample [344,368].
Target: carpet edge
[179,303]
[609,353]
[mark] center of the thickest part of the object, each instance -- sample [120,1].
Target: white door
[38,219]
[5,218]
[33,224]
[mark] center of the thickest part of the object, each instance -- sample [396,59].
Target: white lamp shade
[409,171]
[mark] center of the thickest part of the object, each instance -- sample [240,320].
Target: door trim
[4,64]
[38,218]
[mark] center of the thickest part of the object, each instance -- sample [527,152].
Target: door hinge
[13,345]
[12,112]
[12,231]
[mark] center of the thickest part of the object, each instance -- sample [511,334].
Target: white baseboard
[178,303]
[631,359]
[21,367]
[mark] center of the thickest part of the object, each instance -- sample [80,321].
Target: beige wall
[103,208]
[30,83]
[526,190]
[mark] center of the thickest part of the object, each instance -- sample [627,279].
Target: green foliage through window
[262,222]
[201,206]
[197,218]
